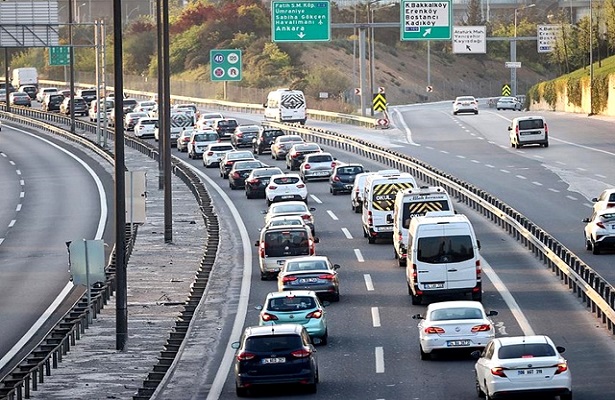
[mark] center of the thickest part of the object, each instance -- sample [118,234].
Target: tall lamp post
[591,59]
[370,20]
[513,51]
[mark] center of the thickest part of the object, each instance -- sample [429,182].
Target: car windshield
[445,249]
[531,124]
[286,243]
[526,350]
[291,303]
[294,266]
[273,343]
[447,314]
[286,180]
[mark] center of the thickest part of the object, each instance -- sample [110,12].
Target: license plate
[348,186]
[458,343]
[384,228]
[220,154]
[529,372]
[320,173]
[308,280]
[288,196]
[281,262]
[439,285]
[274,360]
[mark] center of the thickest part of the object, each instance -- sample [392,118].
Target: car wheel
[305,179]
[336,297]
[311,388]
[241,392]
[479,391]
[588,244]
[371,239]
[324,339]
[249,195]
[273,157]
[567,396]
[357,209]
[477,296]
[546,144]
[595,249]
[287,166]
[230,185]
[416,299]
[454,113]
[402,262]
[268,203]
[424,356]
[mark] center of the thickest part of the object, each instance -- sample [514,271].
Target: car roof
[322,153]
[286,203]
[308,258]
[454,304]
[280,329]
[511,340]
[285,176]
[291,293]
[528,118]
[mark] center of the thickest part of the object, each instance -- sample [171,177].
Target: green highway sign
[225,65]
[59,55]
[426,20]
[300,21]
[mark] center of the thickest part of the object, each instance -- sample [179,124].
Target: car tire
[567,396]
[424,356]
[402,262]
[249,195]
[333,191]
[371,239]
[546,144]
[325,338]
[273,157]
[357,210]
[311,388]
[477,296]
[268,203]
[595,249]
[479,392]
[416,299]
[241,392]
[231,186]
[475,112]
[454,113]
[588,244]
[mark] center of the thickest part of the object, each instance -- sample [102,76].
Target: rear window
[269,172]
[418,208]
[273,343]
[221,148]
[526,350]
[349,170]
[286,208]
[247,164]
[306,266]
[320,158]
[274,133]
[290,139]
[291,303]
[456,313]
[445,249]
[287,243]
[227,123]
[286,180]
[531,124]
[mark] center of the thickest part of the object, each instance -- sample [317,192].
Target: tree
[474,15]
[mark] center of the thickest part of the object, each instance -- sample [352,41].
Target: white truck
[25,76]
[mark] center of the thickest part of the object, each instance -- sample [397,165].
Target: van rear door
[460,252]
[431,270]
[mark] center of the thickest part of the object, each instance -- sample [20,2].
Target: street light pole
[513,52]
[591,59]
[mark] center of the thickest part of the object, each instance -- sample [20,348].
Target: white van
[443,257]
[528,130]
[285,105]
[412,203]
[378,202]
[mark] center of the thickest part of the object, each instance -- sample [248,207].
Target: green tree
[474,15]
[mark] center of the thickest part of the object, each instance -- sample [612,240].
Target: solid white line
[18,207]
[379,353]
[368,282]
[375,317]
[316,199]
[359,256]
[12,223]
[333,216]
[405,127]
[508,299]
[347,233]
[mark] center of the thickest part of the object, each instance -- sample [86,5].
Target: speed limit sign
[225,65]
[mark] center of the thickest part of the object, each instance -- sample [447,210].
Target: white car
[213,153]
[146,106]
[199,140]
[600,230]
[289,209]
[605,200]
[145,127]
[465,104]
[523,365]
[317,166]
[40,95]
[206,120]
[508,103]
[286,187]
[450,325]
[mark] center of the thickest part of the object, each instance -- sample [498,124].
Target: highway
[49,196]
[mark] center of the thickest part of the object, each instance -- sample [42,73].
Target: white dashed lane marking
[505,171]
[537,183]
[379,353]
[520,176]
[571,197]
[369,285]
[22,194]
[316,199]
[347,233]
[333,216]
[12,223]
[375,317]
[359,256]
[18,172]
[18,207]
[12,162]
[554,190]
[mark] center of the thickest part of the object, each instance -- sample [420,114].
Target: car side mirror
[595,199]
[510,128]
[560,349]
[263,212]
[336,266]
[235,345]
[478,244]
[259,308]
[316,240]
[312,208]
[257,243]
[492,313]
[586,220]
[476,354]
[417,316]
[367,170]
[264,105]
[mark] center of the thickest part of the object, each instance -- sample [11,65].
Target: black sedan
[240,171]
[258,180]
[343,177]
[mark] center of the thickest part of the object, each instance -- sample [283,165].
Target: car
[508,103]
[2,95]
[0,125]
[296,307]
[183,140]
[343,177]
[100,109]
[282,144]
[88,94]
[317,166]
[257,181]
[264,139]
[224,127]
[522,365]
[52,102]
[198,140]
[243,135]
[240,171]
[30,90]
[600,230]
[146,106]
[207,119]
[40,95]
[454,325]
[279,354]
[297,153]
[145,127]
[315,273]
[65,92]
[128,105]
[528,130]
[291,208]
[285,220]
[605,200]
[465,104]
[227,161]
[131,118]
[286,187]
[20,99]
[214,152]
[80,106]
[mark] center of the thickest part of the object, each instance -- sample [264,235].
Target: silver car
[317,166]
[508,103]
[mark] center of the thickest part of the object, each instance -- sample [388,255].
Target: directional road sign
[300,21]
[426,20]
[506,89]
[469,39]
[225,65]
[513,64]
[59,55]
[547,37]
[379,102]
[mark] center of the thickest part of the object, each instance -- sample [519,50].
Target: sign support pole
[362,69]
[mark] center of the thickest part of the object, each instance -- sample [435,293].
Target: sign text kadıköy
[300,21]
[426,20]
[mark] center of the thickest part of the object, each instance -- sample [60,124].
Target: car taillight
[546,128]
[333,164]
[268,317]
[430,330]
[370,220]
[272,187]
[289,278]
[481,328]
[414,275]
[303,353]
[245,355]
[229,163]
[400,237]
[301,186]
[336,178]
[295,155]
[600,225]
[517,130]
[261,250]
[609,205]
[239,135]
[307,166]
[210,153]
[306,217]
[235,175]
[315,314]
[188,139]
[561,367]
[327,277]
[498,371]
[253,181]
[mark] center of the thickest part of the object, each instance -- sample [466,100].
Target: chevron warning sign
[379,102]
[506,89]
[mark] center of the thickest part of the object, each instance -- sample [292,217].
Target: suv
[317,166]
[198,141]
[294,158]
[243,135]
[80,107]
[528,130]
[225,127]
[88,94]
[263,140]
[40,95]
[52,102]
[278,354]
